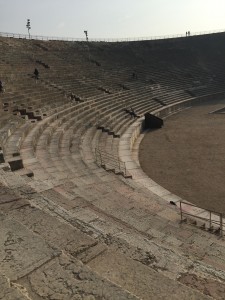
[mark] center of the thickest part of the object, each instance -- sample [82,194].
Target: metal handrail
[129,39]
[211,219]
[103,158]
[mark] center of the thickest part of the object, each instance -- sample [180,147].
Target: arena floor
[187,156]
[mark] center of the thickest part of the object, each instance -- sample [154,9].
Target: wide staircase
[71,229]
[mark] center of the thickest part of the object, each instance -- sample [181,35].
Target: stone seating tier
[79,221]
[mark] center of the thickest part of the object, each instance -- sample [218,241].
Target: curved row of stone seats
[122,100]
[115,118]
[44,138]
[206,89]
[116,114]
[119,125]
[114,123]
[139,109]
[72,113]
[49,135]
[174,97]
[36,131]
[162,77]
[59,166]
[85,89]
[104,142]
[33,100]
[107,76]
[168,76]
[13,143]
[9,125]
[109,209]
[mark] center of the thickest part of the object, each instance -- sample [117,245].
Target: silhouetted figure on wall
[36,74]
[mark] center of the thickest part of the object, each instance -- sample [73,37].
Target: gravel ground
[187,156]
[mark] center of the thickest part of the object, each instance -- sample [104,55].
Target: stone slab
[11,180]
[140,279]
[59,235]
[6,196]
[14,205]
[68,279]
[21,251]
[92,253]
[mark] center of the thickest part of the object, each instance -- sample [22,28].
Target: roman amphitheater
[92,206]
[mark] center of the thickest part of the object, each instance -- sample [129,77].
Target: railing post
[221,225]
[181,215]
[210,220]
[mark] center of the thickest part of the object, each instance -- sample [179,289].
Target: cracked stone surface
[58,234]
[8,292]
[68,279]
[139,279]
[207,286]
[21,251]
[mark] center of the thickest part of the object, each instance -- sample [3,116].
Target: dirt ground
[187,155]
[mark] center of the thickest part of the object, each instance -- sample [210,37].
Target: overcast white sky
[111,18]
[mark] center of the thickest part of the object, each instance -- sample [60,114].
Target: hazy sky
[111,18]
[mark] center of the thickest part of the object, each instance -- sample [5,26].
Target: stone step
[140,280]
[42,257]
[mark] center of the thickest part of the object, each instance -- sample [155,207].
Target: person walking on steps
[36,74]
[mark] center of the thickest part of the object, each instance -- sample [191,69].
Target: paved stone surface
[21,251]
[141,280]
[59,235]
[205,285]
[68,279]
[12,180]
[9,200]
